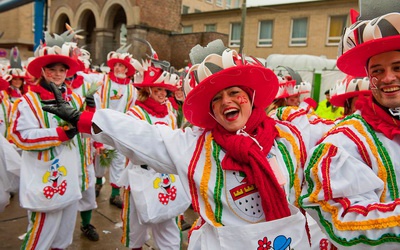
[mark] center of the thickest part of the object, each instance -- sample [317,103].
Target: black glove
[62,108]
[89,99]
[70,133]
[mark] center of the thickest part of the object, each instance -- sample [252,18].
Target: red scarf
[243,154]
[76,82]
[122,81]
[379,120]
[47,95]
[153,108]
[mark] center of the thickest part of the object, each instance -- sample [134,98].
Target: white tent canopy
[307,66]
[301,62]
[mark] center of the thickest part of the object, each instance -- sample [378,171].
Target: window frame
[187,26]
[329,38]
[259,40]
[231,41]
[292,39]
[210,24]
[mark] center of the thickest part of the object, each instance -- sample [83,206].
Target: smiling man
[352,178]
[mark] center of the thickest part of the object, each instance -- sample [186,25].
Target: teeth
[391,89]
[228,111]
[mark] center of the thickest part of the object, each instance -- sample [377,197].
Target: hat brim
[111,62]
[35,67]
[354,61]
[157,85]
[339,100]
[3,84]
[263,81]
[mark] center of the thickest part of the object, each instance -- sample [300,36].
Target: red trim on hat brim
[263,81]
[111,62]
[3,84]
[339,100]
[354,61]
[35,67]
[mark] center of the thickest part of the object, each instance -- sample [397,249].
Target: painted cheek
[242,99]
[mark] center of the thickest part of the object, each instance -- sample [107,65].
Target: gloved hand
[89,99]
[70,133]
[62,108]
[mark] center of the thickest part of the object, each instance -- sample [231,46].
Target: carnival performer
[116,93]
[5,104]
[17,83]
[153,107]
[51,151]
[242,169]
[351,177]
[346,93]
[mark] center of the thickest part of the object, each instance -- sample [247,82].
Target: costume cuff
[85,122]
[61,134]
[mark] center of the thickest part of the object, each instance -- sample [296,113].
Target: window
[218,2]
[299,32]
[228,4]
[209,1]
[336,26]
[185,9]
[265,33]
[187,29]
[210,27]
[234,36]
[197,11]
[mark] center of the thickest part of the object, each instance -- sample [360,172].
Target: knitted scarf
[379,120]
[243,154]
[153,107]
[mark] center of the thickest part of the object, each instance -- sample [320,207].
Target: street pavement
[106,219]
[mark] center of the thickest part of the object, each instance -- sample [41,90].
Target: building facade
[312,28]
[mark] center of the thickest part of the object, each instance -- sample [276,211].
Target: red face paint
[242,99]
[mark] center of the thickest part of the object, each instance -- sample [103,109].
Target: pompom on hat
[149,75]
[349,87]
[57,49]
[201,88]
[365,39]
[121,55]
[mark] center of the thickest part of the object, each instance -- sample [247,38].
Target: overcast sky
[251,3]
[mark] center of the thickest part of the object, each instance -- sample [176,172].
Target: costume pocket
[49,185]
[157,197]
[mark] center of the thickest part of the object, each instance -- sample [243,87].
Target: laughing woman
[242,170]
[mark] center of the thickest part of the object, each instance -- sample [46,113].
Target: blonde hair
[143,94]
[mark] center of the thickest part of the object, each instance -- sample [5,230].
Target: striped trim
[192,169]
[33,235]
[219,184]
[125,214]
[205,181]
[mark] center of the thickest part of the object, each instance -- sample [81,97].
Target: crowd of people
[244,147]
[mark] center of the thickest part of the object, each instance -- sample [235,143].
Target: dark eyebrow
[377,65]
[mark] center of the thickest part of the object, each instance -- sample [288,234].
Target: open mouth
[390,89]
[231,114]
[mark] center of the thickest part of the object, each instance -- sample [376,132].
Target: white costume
[197,161]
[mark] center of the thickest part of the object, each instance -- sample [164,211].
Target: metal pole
[39,16]
[244,9]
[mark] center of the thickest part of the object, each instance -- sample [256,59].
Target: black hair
[51,65]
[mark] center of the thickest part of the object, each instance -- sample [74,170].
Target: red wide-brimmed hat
[122,56]
[365,39]
[148,75]
[45,55]
[234,72]
[348,88]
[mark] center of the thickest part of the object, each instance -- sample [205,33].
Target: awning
[6,5]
